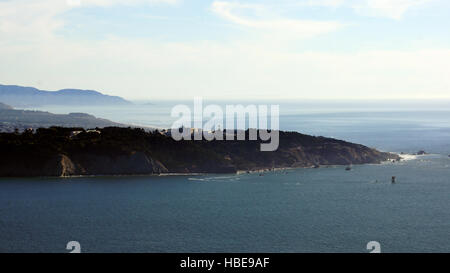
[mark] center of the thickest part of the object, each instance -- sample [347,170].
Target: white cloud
[149,69]
[232,11]
[31,54]
[121,2]
[394,9]
[324,3]
[30,18]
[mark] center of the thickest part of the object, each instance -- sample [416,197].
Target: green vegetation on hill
[21,119]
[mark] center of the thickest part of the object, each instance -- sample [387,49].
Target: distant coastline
[12,120]
[20,96]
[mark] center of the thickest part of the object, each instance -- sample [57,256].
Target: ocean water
[301,210]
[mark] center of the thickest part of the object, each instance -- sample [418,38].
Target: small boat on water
[349,168]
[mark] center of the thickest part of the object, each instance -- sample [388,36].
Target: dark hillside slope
[110,151]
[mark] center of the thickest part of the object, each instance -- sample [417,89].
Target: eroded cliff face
[136,163]
[59,165]
[119,151]
[84,164]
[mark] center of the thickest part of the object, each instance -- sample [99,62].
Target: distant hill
[19,96]
[5,107]
[11,119]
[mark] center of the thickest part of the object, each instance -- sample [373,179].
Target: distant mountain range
[19,96]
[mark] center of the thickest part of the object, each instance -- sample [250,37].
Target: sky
[255,49]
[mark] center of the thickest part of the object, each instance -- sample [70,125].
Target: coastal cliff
[125,151]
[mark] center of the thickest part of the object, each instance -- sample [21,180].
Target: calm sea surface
[303,210]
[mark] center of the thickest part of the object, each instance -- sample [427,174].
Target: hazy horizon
[269,99]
